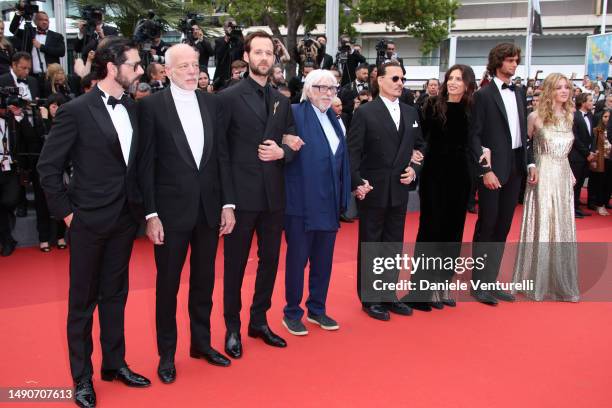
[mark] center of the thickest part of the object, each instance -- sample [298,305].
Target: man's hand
[408,176]
[362,190]
[533,176]
[491,181]
[228,221]
[295,143]
[269,151]
[15,110]
[486,155]
[417,157]
[68,219]
[100,31]
[36,43]
[155,231]
[592,156]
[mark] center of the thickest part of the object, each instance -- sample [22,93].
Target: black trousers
[169,259]
[9,197]
[581,172]
[380,225]
[98,277]
[269,227]
[44,220]
[597,188]
[495,213]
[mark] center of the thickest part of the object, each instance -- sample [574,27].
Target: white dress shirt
[24,89]
[121,121]
[512,113]
[342,125]
[587,121]
[188,109]
[328,129]
[394,110]
[36,61]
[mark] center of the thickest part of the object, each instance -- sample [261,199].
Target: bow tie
[511,87]
[22,81]
[112,101]
[41,32]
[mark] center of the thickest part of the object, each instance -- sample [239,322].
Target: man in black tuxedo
[183,194]
[353,59]
[256,118]
[228,49]
[499,129]
[583,149]
[350,91]
[381,140]
[9,185]
[86,42]
[45,46]
[102,206]
[391,55]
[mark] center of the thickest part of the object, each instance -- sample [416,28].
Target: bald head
[182,66]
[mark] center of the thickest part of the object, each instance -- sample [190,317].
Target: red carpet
[514,355]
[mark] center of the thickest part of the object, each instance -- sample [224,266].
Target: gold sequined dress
[547,252]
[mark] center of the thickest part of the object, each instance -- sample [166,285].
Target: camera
[308,49]
[344,49]
[10,95]
[186,23]
[147,29]
[92,17]
[381,51]
[27,9]
[234,31]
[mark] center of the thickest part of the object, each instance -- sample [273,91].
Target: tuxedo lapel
[500,104]
[272,109]
[520,105]
[208,130]
[253,100]
[132,112]
[177,131]
[105,124]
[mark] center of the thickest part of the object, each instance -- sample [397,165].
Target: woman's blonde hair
[5,43]
[52,71]
[547,98]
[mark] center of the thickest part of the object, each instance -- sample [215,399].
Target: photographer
[281,55]
[157,76]
[9,184]
[348,58]
[57,83]
[350,91]
[6,51]
[390,54]
[324,61]
[228,49]
[45,46]
[158,49]
[202,45]
[91,30]
[307,51]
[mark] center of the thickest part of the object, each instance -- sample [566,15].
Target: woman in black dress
[445,180]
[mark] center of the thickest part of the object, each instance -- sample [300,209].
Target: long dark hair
[469,81]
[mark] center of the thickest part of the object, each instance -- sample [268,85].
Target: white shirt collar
[180,93]
[318,111]
[389,101]
[498,82]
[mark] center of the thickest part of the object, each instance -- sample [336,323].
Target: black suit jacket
[173,185]
[53,49]
[380,154]
[583,140]
[256,185]
[7,80]
[101,185]
[489,128]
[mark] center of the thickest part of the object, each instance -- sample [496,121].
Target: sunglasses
[398,78]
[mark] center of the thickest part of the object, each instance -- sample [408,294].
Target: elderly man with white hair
[184,189]
[317,189]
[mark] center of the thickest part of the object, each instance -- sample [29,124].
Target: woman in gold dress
[547,253]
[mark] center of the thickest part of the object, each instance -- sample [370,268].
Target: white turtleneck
[188,110]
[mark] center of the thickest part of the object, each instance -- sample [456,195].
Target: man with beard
[256,119]
[98,134]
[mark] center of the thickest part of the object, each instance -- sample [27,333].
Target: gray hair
[313,78]
[172,50]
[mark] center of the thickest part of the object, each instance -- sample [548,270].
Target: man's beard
[258,71]
[123,81]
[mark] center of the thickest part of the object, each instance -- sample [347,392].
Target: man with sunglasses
[102,207]
[381,140]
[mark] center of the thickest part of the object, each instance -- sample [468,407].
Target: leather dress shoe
[84,394]
[421,306]
[126,376]
[212,356]
[8,247]
[449,302]
[233,345]
[167,375]
[344,218]
[485,297]
[437,305]
[399,308]
[267,335]
[378,312]
[580,214]
[505,296]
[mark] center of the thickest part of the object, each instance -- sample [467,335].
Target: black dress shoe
[399,308]
[84,394]
[582,214]
[449,302]
[267,335]
[437,305]
[378,312]
[9,247]
[576,215]
[421,306]
[233,345]
[167,375]
[505,296]
[126,376]
[485,297]
[592,207]
[344,218]
[212,356]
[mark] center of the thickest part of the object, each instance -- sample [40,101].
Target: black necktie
[112,101]
[41,32]
[22,81]
[510,87]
